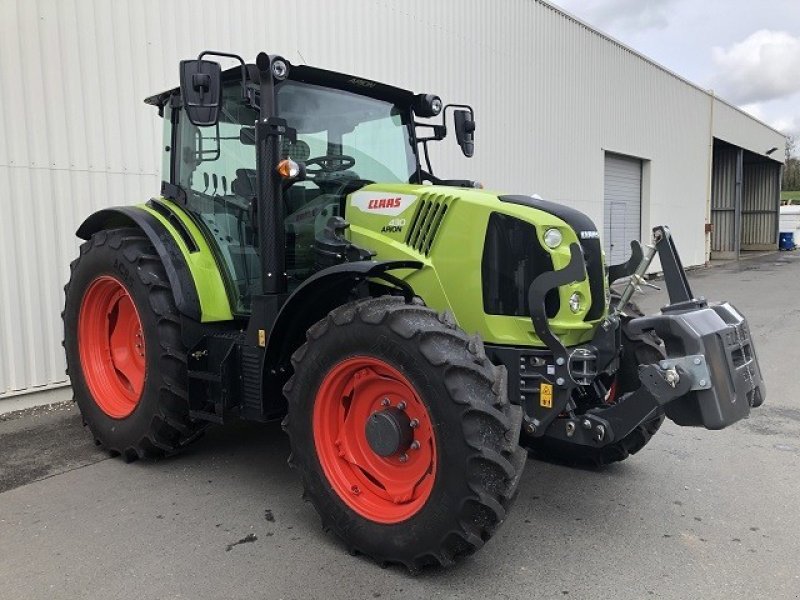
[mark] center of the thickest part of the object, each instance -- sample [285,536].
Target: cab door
[216,168]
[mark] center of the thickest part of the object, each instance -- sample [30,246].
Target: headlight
[553,238]
[575,302]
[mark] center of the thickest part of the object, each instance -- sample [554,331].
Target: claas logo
[377,203]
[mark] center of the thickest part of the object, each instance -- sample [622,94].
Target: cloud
[624,15]
[764,66]
[788,125]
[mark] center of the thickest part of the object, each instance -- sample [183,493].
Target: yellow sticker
[546,395]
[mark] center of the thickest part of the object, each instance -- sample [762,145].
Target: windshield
[338,123]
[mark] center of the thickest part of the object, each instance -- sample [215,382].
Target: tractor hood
[480,251]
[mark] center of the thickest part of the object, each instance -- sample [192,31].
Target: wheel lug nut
[414,445]
[403,457]
[385,402]
[414,423]
[401,405]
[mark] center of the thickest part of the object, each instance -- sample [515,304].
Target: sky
[747,51]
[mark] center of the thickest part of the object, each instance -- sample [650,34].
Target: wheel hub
[111,346]
[389,432]
[375,439]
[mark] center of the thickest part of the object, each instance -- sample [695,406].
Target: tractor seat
[298,151]
[244,185]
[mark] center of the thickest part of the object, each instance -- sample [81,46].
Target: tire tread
[475,388]
[170,428]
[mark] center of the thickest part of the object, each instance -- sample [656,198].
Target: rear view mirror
[201,91]
[465,131]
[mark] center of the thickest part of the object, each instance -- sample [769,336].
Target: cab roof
[313,75]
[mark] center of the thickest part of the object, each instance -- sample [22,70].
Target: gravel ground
[697,514]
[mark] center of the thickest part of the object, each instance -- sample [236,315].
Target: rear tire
[130,417]
[459,399]
[644,349]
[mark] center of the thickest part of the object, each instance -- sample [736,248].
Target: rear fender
[194,277]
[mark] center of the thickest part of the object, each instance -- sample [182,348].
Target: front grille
[512,259]
[592,251]
[426,222]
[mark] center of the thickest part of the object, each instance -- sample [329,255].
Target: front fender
[320,294]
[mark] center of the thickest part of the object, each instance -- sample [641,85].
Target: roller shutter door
[622,206]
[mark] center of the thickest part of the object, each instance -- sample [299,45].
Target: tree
[791,170]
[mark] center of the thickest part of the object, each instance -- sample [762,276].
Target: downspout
[709,177]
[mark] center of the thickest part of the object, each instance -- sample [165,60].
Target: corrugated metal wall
[551,95]
[760,206]
[724,218]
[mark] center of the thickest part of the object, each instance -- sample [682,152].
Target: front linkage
[710,376]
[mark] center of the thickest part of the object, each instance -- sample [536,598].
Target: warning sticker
[546,395]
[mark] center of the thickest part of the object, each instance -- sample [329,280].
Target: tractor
[417,336]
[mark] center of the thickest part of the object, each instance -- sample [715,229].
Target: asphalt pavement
[697,514]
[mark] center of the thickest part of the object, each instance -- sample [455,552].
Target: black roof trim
[312,75]
[351,83]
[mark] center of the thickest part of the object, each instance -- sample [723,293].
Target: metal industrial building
[562,110]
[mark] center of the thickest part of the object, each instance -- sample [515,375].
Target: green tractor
[417,335]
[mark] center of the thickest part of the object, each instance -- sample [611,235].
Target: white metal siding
[551,96]
[738,128]
[622,216]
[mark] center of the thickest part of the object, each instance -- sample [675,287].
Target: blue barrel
[786,241]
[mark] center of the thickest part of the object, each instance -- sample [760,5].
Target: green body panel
[380,216]
[214,302]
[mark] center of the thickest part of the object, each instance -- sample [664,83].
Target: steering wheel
[331,163]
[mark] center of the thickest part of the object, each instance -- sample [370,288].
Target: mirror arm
[439,132]
[454,106]
[245,97]
[427,156]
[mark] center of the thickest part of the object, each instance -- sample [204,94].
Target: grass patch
[791,197]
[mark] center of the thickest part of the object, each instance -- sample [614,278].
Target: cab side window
[217,172]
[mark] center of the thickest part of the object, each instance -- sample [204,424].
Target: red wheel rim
[111,347]
[386,489]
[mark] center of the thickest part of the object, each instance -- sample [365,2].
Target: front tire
[436,480]
[125,356]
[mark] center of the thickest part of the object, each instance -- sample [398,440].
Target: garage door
[622,206]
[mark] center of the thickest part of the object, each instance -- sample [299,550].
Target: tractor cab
[343,133]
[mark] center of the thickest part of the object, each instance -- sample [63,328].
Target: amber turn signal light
[288,169]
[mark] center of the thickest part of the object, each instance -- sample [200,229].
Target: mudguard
[193,275]
[321,293]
